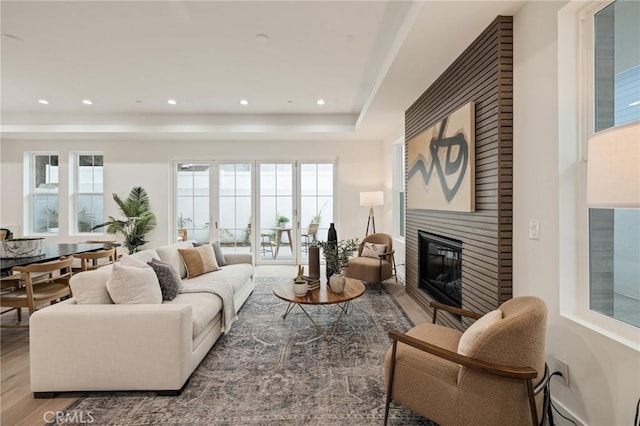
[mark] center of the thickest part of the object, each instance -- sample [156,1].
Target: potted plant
[139,219]
[182,224]
[336,256]
[282,221]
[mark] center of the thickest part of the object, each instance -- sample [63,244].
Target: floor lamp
[372,198]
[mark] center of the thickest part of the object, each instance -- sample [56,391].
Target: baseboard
[565,412]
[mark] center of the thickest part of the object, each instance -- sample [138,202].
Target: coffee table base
[344,307]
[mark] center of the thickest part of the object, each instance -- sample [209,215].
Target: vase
[337,282]
[22,247]
[300,288]
[332,239]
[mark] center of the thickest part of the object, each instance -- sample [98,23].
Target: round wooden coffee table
[353,289]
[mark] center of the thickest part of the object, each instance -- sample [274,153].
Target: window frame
[31,191]
[576,101]
[74,181]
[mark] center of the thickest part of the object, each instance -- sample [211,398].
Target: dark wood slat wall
[483,74]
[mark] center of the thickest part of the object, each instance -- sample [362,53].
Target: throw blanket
[225,292]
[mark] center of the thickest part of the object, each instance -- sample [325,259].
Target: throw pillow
[373,250]
[90,287]
[472,334]
[216,250]
[170,283]
[199,260]
[132,284]
[219,255]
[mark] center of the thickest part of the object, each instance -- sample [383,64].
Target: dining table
[52,252]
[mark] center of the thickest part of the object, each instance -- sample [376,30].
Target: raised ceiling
[368,60]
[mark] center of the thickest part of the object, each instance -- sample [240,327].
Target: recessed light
[262,39]
[244,102]
[171,101]
[87,102]
[320,101]
[43,101]
[634,103]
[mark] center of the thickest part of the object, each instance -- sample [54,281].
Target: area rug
[268,370]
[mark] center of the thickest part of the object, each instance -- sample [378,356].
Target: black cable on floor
[636,420]
[557,373]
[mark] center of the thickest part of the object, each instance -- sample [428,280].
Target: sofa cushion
[198,260]
[473,333]
[133,284]
[205,307]
[143,256]
[170,283]
[236,275]
[169,254]
[90,287]
[217,251]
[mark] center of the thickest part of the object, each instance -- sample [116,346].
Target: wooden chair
[106,242]
[91,260]
[43,283]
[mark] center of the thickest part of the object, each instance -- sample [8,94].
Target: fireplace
[440,263]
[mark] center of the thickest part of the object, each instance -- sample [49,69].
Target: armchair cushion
[472,334]
[368,269]
[373,250]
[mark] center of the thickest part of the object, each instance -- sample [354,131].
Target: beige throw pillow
[473,333]
[373,250]
[199,260]
[133,284]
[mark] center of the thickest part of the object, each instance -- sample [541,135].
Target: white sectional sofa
[117,347]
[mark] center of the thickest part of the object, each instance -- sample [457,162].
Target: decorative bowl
[22,247]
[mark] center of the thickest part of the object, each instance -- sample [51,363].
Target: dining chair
[311,236]
[43,283]
[91,260]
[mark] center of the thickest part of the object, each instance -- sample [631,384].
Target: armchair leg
[532,403]
[390,384]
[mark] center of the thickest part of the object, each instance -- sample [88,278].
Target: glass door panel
[275,233]
[316,204]
[192,204]
[234,207]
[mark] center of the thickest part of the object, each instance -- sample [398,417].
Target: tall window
[45,203]
[399,189]
[614,246]
[87,178]
[234,206]
[192,208]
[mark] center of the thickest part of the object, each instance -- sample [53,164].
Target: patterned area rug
[273,371]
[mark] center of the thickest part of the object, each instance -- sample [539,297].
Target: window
[88,191]
[234,206]
[399,188]
[43,191]
[614,246]
[192,208]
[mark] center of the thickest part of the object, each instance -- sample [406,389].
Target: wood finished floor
[17,405]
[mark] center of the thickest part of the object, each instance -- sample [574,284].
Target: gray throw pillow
[219,255]
[217,251]
[170,282]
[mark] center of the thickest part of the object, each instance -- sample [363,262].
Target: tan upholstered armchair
[375,262]
[492,383]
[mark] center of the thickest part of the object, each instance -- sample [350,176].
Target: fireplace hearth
[440,272]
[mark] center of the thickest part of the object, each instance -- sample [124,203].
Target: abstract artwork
[441,164]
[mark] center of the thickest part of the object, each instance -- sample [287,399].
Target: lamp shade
[613,168]
[372,198]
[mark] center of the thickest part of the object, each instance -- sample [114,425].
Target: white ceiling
[369,60]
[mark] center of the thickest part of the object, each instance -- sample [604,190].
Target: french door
[274,209]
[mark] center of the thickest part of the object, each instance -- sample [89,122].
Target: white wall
[148,164]
[604,374]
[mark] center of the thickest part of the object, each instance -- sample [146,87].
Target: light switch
[534,229]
